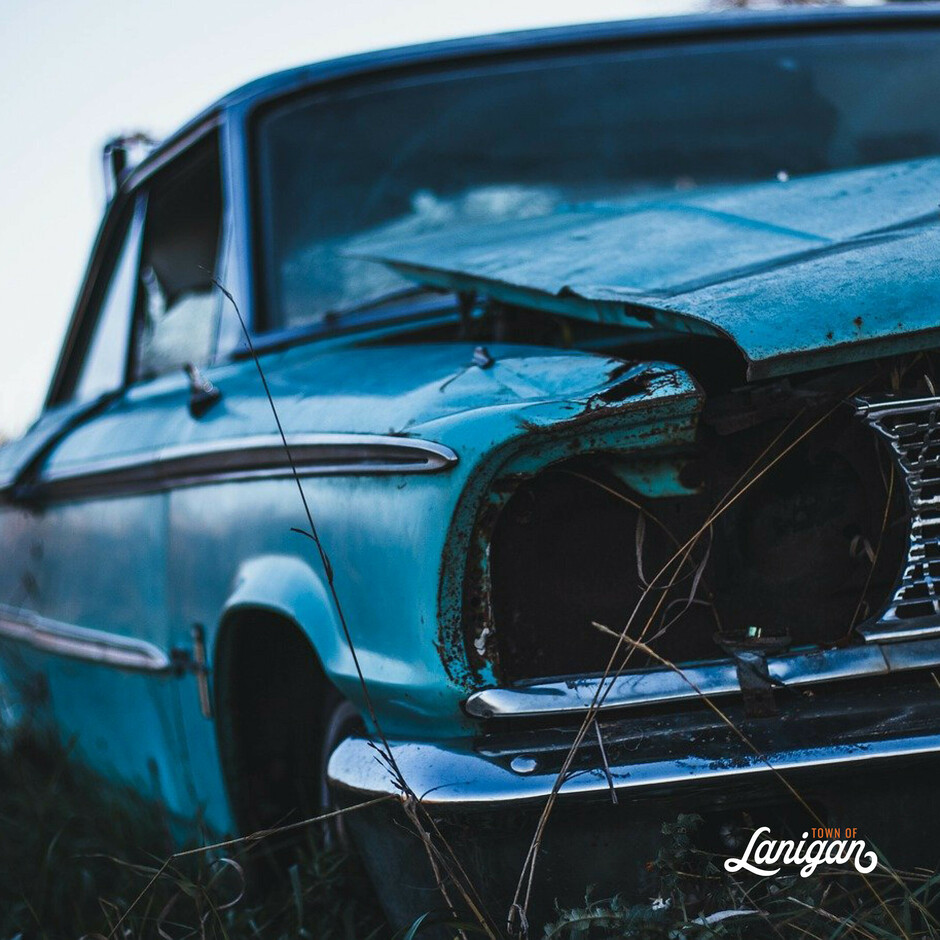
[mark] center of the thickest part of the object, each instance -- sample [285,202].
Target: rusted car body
[605,358]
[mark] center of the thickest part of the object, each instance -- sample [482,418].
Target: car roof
[558,38]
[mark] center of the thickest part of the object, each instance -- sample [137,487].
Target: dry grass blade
[745,482]
[249,839]
[445,854]
[762,758]
[841,921]
[877,552]
[260,834]
[313,532]
[679,558]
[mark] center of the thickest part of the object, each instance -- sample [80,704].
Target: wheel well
[271,695]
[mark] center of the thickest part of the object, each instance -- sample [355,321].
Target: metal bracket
[749,653]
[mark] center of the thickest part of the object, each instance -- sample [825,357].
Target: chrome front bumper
[660,686]
[848,723]
[861,751]
[449,777]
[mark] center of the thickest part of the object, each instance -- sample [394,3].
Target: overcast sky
[75,72]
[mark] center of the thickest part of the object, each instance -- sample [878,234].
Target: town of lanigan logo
[835,846]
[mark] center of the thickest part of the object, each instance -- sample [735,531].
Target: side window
[177,304]
[105,360]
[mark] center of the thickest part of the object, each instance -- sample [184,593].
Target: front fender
[287,586]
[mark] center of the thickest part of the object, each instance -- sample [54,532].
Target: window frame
[106,251]
[131,226]
[157,177]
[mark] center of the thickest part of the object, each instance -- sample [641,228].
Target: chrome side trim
[248,458]
[453,777]
[658,686]
[95,646]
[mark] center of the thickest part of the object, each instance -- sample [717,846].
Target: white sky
[74,72]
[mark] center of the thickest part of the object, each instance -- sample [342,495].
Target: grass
[77,851]
[699,901]
[82,857]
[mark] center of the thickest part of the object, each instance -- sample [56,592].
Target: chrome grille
[912,431]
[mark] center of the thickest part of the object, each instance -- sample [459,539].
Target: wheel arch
[285,587]
[273,654]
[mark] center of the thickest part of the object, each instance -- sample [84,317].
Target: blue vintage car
[590,377]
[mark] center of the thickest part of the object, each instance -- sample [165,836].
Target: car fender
[288,587]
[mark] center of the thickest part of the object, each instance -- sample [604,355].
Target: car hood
[798,273]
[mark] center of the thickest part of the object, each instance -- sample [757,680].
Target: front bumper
[870,702]
[457,778]
[863,720]
[862,753]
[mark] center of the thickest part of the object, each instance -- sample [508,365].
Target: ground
[81,857]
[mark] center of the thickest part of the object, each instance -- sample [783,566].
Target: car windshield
[527,137]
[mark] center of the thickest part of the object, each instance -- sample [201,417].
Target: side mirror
[121,154]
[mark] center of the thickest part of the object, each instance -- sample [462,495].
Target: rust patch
[466,640]
[477,605]
[631,388]
[622,368]
[465,611]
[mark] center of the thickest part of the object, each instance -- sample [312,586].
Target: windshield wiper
[392,297]
[336,321]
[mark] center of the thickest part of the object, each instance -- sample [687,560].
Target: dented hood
[798,274]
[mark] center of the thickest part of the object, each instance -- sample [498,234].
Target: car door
[86,635]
